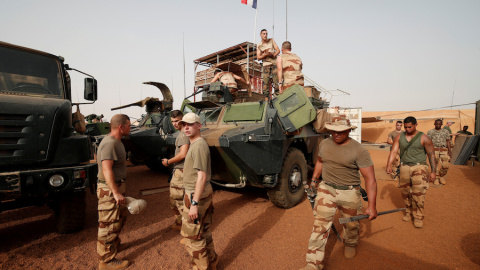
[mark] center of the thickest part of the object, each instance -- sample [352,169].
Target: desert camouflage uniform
[349,203]
[111,219]
[199,242]
[439,139]
[269,66]
[413,180]
[176,195]
[414,184]
[176,184]
[291,69]
[228,80]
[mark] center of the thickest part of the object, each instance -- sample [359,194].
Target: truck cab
[42,161]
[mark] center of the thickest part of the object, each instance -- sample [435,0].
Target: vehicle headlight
[56,180]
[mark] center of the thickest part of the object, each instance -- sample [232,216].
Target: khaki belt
[413,164]
[341,187]
[440,149]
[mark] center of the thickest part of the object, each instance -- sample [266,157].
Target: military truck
[257,143]
[146,143]
[41,160]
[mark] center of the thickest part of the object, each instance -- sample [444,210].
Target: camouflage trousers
[443,162]
[413,183]
[111,218]
[267,71]
[349,203]
[199,241]
[176,195]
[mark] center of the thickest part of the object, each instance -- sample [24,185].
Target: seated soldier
[228,79]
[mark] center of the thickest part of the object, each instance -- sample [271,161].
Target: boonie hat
[135,206]
[451,122]
[190,118]
[339,123]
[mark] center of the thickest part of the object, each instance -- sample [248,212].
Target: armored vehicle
[41,160]
[258,143]
[146,143]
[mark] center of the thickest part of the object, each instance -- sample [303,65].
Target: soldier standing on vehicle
[413,145]
[177,191]
[228,79]
[267,51]
[443,150]
[112,172]
[198,200]
[339,160]
[391,136]
[289,68]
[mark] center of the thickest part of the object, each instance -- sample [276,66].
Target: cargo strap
[341,187]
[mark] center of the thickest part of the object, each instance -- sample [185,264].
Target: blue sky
[389,55]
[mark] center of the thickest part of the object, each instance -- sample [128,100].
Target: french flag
[252,3]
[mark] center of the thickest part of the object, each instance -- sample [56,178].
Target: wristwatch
[194,202]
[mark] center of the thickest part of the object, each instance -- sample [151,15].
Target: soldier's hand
[164,162]
[119,198]
[193,213]
[432,177]
[389,169]
[372,212]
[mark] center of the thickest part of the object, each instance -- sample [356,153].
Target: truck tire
[71,212]
[290,190]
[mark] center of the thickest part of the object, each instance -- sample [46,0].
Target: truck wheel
[289,190]
[70,213]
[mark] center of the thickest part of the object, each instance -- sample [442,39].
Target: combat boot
[114,264]
[407,217]
[418,223]
[443,181]
[436,182]
[349,252]
[122,246]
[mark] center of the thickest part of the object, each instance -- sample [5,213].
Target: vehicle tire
[290,189]
[134,159]
[70,212]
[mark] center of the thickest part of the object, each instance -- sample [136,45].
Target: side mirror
[90,92]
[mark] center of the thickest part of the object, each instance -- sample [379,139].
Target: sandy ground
[250,233]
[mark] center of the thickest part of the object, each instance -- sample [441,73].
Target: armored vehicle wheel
[289,190]
[70,212]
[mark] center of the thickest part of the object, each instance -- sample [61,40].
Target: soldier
[177,192]
[112,172]
[198,200]
[447,127]
[228,79]
[464,131]
[267,51]
[339,160]
[391,136]
[443,150]
[289,68]
[413,145]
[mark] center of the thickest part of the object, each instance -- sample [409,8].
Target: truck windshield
[29,73]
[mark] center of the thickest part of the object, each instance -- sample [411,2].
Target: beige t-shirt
[197,159]
[341,163]
[394,134]
[181,140]
[112,149]
[267,47]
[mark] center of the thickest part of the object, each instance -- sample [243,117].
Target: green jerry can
[294,108]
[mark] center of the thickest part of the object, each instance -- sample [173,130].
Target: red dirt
[250,233]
